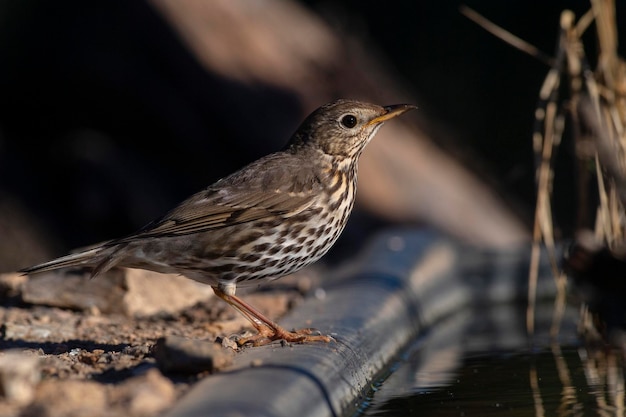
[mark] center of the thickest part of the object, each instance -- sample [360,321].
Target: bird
[271,218]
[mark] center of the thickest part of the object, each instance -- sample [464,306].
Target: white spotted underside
[278,249]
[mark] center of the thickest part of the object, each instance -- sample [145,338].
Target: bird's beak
[391,112]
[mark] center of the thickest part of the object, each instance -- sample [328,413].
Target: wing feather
[203,214]
[241,198]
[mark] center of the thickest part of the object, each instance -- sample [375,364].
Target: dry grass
[591,104]
[594,104]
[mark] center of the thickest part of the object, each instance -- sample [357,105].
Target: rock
[69,398]
[19,375]
[145,395]
[40,332]
[180,355]
[77,291]
[11,283]
[150,293]
[132,292]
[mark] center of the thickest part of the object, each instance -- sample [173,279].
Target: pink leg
[268,330]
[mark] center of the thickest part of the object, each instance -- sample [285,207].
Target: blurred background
[112,112]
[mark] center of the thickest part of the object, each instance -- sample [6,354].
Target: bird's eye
[348,121]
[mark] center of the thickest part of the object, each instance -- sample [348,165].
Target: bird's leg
[268,330]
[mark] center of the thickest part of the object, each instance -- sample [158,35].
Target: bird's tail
[100,259]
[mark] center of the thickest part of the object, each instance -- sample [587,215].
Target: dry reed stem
[596,102]
[596,106]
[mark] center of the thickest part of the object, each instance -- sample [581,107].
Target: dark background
[107,120]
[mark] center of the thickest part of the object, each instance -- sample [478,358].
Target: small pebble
[256,363]
[227,342]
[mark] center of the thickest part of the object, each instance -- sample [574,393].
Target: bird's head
[343,128]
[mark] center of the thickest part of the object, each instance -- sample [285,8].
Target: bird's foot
[267,335]
[268,331]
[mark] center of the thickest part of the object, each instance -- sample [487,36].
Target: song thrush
[271,218]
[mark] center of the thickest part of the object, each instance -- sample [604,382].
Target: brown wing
[259,191]
[207,213]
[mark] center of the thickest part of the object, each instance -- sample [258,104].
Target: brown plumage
[271,218]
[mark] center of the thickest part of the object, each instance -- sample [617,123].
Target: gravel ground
[58,361]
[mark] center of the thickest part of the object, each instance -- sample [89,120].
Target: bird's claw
[267,336]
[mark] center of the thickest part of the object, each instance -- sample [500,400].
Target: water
[482,363]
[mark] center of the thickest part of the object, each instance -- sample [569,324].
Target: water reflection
[481,363]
